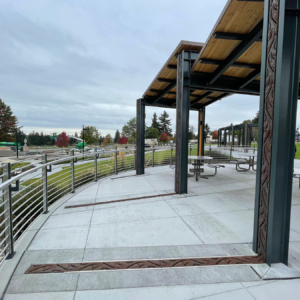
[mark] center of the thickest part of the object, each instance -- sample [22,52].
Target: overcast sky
[65,63]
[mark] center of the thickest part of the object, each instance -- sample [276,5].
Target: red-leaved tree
[164,137]
[62,140]
[215,135]
[123,140]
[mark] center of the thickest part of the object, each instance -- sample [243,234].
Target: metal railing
[26,195]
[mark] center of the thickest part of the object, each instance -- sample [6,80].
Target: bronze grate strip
[142,264]
[122,200]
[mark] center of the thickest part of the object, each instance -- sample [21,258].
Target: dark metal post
[140,136]
[153,156]
[45,186]
[182,121]
[17,143]
[8,216]
[232,132]
[72,173]
[277,123]
[116,161]
[96,166]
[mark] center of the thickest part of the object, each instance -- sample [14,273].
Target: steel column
[182,121]
[45,186]
[140,136]
[278,107]
[201,127]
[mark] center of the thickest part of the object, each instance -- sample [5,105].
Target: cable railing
[26,194]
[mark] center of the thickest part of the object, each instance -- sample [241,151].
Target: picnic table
[198,163]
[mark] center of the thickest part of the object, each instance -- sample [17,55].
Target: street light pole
[18,128]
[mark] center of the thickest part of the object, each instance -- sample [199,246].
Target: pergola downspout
[277,123]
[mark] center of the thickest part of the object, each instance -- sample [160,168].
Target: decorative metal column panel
[278,103]
[140,136]
[182,122]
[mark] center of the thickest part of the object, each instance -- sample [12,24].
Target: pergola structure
[253,49]
[244,134]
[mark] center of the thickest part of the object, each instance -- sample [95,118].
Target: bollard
[72,173]
[45,186]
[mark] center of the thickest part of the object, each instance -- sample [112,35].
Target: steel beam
[237,52]
[198,98]
[165,91]
[140,136]
[232,36]
[235,64]
[277,122]
[182,122]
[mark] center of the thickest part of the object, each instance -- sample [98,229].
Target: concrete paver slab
[33,283]
[134,212]
[283,289]
[226,227]
[60,238]
[165,277]
[70,219]
[41,296]
[184,292]
[159,232]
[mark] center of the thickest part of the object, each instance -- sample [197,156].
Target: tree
[155,123]
[215,135]
[129,128]
[91,135]
[8,123]
[108,138]
[164,137]
[191,135]
[21,136]
[117,137]
[151,133]
[76,135]
[206,130]
[62,140]
[165,123]
[256,118]
[53,142]
[123,140]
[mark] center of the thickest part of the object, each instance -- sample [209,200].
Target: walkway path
[214,219]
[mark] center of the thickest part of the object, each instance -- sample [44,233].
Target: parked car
[98,150]
[147,146]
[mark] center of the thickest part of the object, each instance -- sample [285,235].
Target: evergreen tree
[129,128]
[76,134]
[117,136]
[206,131]
[155,123]
[165,123]
[256,118]
[8,123]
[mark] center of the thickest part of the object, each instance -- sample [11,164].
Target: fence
[27,193]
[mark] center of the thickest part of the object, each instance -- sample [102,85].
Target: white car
[93,150]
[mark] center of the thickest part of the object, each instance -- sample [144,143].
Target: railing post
[72,173]
[231,152]
[8,214]
[134,159]
[209,150]
[116,161]
[45,186]
[171,158]
[96,156]
[190,149]
[153,156]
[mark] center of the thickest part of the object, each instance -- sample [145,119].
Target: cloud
[66,63]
